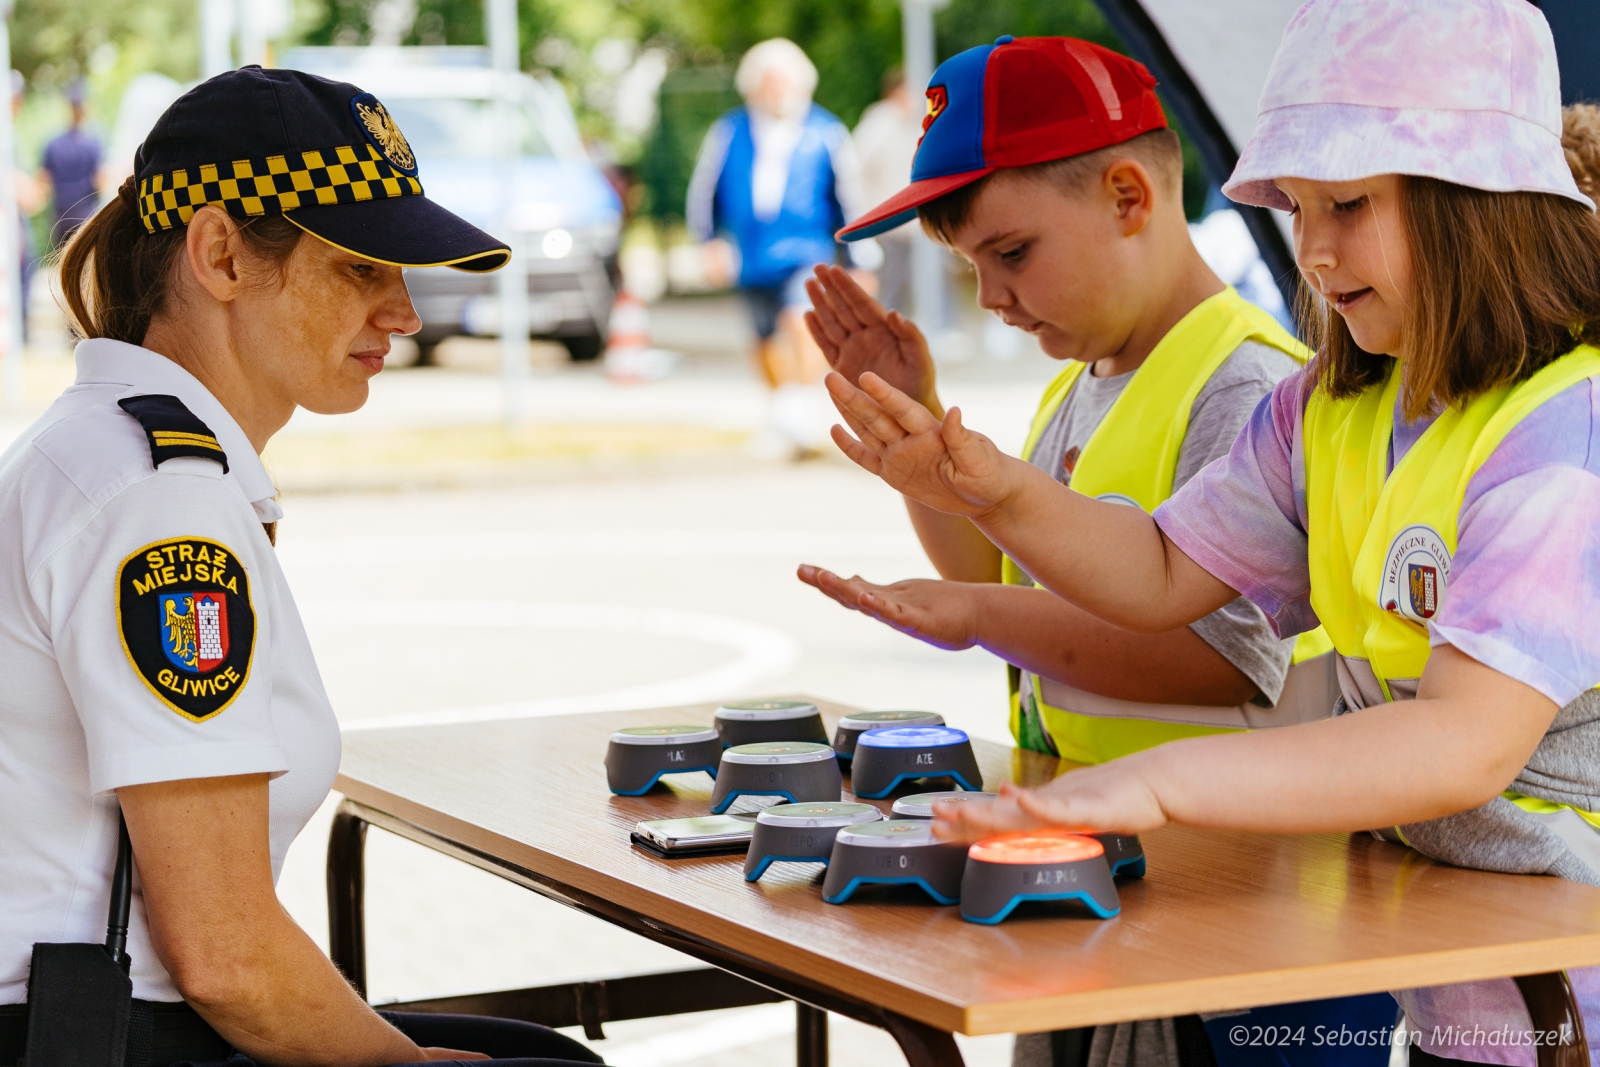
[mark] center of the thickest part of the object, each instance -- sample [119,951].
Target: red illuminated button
[1036,847]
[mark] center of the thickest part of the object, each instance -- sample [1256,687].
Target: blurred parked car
[565,215]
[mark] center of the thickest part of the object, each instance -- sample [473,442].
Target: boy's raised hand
[857,334]
[937,462]
[936,612]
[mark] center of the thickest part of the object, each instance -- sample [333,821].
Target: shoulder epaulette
[173,430]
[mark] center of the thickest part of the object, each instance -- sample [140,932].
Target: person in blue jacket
[775,179]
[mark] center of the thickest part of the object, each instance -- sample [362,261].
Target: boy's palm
[858,335]
[939,613]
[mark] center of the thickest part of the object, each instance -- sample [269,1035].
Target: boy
[1047,162]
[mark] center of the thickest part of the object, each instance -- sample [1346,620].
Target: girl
[1428,488]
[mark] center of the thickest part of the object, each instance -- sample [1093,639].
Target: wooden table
[1222,920]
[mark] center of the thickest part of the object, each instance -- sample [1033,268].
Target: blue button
[1004,38]
[913,737]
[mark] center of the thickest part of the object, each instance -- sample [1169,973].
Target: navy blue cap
[323,154]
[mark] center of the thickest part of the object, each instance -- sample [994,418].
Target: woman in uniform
[152,654]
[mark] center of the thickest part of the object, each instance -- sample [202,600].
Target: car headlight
[556,244]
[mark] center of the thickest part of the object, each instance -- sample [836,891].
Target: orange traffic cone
[629,357]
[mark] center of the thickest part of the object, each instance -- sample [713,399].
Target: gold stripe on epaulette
[178,437]
[272,185]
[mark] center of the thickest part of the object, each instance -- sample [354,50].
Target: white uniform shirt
[84,519]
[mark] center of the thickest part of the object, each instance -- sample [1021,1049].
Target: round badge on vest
[1416,572]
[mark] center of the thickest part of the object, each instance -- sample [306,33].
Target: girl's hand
[941,464]
[1113,796]
[857,335]
[941,613]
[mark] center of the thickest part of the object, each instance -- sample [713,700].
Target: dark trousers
[507,1042]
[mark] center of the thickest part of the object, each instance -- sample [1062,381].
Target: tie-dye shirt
[1524,591]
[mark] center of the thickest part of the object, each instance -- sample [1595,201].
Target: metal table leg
[1554,1011]
[810,1036]
[347,929]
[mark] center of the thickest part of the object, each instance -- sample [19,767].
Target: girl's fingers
[862,457]
[866,411]
[864,435]
[908,415]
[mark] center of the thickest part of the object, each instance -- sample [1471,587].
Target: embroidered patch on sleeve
[184,611]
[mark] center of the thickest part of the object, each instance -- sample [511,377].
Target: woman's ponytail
[116,276]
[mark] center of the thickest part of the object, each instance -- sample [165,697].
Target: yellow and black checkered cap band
[247,188]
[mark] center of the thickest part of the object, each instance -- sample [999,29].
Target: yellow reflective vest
[1131,458]
[1381,542]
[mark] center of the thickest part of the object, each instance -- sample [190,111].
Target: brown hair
[1502,285]
[1159,151]
[116,277]
[1580,140]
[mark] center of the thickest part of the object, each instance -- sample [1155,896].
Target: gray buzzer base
[631,770]
[937,868]
[754,731]
[851,727]
[795,782]
[876,772]
[801,833]
[1124,854]
[991,891]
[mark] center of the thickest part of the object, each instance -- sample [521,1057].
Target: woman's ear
[210,248]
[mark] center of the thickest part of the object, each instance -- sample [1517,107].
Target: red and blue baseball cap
[1016,102]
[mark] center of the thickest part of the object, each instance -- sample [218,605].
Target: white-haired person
[775,179]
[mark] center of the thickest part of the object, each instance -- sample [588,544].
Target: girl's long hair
[1502,285]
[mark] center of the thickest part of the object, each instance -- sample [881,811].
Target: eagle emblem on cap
[382,131]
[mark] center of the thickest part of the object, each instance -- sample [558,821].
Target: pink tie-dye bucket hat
[1466,91]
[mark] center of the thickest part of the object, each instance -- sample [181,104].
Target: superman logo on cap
[938,100]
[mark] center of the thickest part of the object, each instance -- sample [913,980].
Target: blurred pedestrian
[30,197]
[71,171]
[887,138]
[778,177]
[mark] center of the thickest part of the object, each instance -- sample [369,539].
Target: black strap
[159,1034]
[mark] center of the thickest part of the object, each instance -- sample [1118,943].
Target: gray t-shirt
[1239,631]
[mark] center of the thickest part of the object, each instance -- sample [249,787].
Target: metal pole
[501,16]
[928,301]
[10,233]
[216,37]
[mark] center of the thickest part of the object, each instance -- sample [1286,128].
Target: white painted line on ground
[762,651]
[731,1031]
[599,544]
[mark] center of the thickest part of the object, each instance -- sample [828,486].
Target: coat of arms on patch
[385,135]
[187,624]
